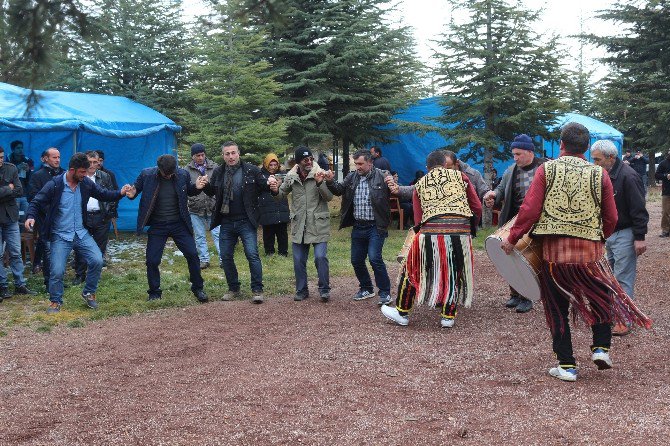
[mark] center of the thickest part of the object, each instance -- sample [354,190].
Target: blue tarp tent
[131,135]
[407,153]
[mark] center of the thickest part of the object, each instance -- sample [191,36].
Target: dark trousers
[44,248]
[158,235]
[279,231]
[368,241]
[98,226]
[561,338]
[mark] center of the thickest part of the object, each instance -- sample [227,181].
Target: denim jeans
[622,258]
[10,234]
[60,249]
[200,227]
[244,230]
[368,241]
[22,203]
[300,254]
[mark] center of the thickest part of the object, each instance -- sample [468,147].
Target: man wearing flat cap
[510,194]
[201,206]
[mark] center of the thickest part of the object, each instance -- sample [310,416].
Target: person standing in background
[273,214]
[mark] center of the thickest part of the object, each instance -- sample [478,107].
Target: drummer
[438,268]
[510,193]
[571,203]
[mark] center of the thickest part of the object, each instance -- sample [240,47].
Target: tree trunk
[487,216]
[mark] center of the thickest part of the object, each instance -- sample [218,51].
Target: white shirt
[93,205]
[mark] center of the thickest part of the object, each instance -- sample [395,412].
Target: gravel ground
[290,372]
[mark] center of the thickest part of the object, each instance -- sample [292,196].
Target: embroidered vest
[442,191]
[572,200]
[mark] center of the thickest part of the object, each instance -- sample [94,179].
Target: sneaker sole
[602,364]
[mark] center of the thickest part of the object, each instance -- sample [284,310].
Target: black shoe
[300,296]
[325,297]
[204,265]
[24,290]
[4,293]
[154,297]
[665,234]
[201,296]
[524,306]
[513,301]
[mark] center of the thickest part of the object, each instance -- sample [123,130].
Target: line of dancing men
[568,202]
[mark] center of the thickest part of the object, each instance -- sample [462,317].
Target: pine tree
[139,49]
[232,92]
[636,95]
[501,80]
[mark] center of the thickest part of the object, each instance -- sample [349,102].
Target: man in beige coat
[310,219]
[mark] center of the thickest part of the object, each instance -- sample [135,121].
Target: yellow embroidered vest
[573,198]
[442,191]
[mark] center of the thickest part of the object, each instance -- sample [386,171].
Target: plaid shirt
[362,204]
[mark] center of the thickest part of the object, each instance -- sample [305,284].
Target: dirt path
[310,373]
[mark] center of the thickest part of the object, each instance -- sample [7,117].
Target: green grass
[122,288]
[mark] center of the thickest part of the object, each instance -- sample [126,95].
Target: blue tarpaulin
[131,134]
[407,153]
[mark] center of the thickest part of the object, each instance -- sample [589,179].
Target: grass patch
[123,287]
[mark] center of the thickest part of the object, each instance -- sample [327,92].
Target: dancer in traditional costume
[438,268]
[570,205]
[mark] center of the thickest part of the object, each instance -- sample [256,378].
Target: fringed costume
[438,269]
[570,205]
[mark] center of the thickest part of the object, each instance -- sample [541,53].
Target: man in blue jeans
[366,207]
[63,201]
[236,185]
[10,189]
[628,240]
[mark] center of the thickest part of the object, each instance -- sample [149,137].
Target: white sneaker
[393,314]
[564,374]
[601,359]
[447,322]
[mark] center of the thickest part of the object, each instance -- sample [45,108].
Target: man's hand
[507,247]
[11,186]
[29,224]
[124,190]
[489,198]
[131,191]
[274,183]
[201,181]
[329,176]
[319,176]
[640,247]
[392,185]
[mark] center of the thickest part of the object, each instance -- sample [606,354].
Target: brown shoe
[620,330]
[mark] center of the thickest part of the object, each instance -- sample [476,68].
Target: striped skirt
[439,266]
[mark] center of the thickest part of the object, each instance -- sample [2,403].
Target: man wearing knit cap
[201,206]
[510,194]
[310,224]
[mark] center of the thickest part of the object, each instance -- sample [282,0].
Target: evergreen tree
[501,80]
[140,49]
[344,69]
[232,92]
[636,96]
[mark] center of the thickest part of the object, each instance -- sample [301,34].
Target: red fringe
[593,292]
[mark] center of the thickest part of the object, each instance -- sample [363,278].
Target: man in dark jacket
[63,203]
[163,207]
[378,160]
[366,207]
[98,215]
[627,242]
[663,175]
[236,185]
[10,189]
[273,213]
[50,168]
[639,164]
[510,193]
[201,206]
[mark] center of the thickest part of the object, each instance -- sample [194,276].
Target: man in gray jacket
[310,220]
[473,175]
[367,208]
[201,206]
[510,194]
